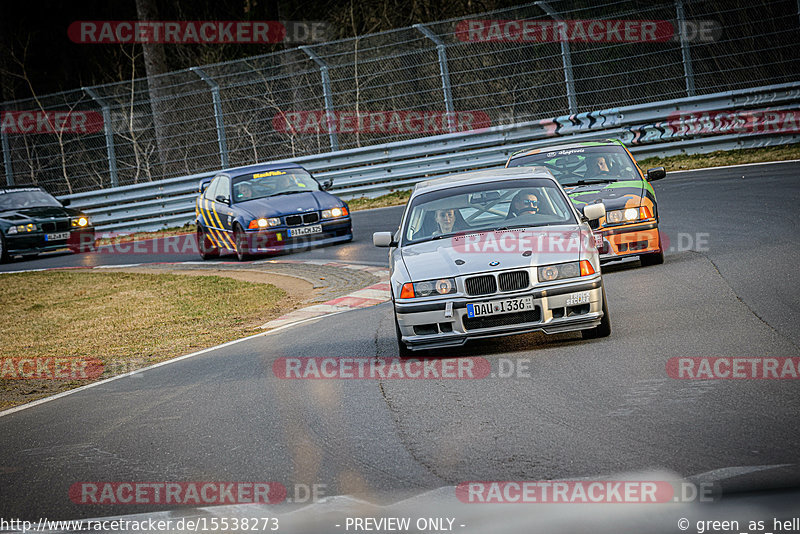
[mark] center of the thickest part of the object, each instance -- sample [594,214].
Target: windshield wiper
[285,193]
[591,181]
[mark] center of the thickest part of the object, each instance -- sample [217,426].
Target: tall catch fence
[512,66]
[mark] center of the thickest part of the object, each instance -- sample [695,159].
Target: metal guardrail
[688,125]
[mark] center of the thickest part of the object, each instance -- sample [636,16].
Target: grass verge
[125,320]
[721,158]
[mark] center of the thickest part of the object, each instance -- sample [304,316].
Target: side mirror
[223,199]
[594,211]
[66,202]
[656,173]
[383,239]
[326,185]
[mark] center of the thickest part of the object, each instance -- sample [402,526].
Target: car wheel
[205,245]
[654,258]
[604,328]
[402,348]
[3,250]
[240,240]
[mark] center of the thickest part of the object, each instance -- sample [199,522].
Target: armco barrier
[763,116]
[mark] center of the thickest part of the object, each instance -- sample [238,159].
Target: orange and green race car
[604,171]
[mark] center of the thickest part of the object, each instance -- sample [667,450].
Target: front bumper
[80,240]
[424,325]
[629,240]
[278,239]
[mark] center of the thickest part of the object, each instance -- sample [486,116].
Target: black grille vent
[306,218]
[481,285]
[513,280]
[58,226]
[491,321]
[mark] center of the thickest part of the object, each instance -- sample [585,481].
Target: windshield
[271,183]
[591,164]
[28,198]
[486,206]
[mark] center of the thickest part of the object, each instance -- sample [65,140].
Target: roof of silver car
[468,178]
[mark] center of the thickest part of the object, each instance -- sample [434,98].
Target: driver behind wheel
[523,203]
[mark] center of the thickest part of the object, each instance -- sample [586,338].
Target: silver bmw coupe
[493,253]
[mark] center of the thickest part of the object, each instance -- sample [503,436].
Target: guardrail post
[7,158]
[222,141]
[108,129]
[327,96]
[444,73]
[686,55]
[566,60]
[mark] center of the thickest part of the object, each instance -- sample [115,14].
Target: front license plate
[581,297]
[496,307]
[598,239]
[57,237]
[305,230]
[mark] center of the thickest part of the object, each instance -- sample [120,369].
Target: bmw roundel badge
[494,263]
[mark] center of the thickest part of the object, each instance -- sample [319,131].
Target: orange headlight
[586,268]
[408,291]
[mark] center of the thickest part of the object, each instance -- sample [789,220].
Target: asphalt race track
[728,287]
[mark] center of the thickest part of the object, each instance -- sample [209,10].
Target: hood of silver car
[494,251]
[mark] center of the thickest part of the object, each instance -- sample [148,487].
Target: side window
[212,188]
[223,187]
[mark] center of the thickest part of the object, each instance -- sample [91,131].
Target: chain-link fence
[535,61]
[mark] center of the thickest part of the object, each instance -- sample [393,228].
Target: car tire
[205,245]
[240,242]
[654,258]
[604,328]
[402,348]
[3,249]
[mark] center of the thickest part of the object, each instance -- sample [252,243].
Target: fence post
[7,158]
[566,60]
[686,55]
[444,73]
[327,96]
[107,127]
[222,141]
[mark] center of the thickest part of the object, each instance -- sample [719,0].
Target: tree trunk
[155,63]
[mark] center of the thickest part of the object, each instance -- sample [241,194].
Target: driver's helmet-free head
[525,201]
[598,165]
[244,191]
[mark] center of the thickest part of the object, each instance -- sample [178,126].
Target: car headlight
[80,222]
[21,229]
[573,269]
[626,215]
[334,212]
[264,222]
[443,286]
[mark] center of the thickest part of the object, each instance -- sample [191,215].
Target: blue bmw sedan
[269,208]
